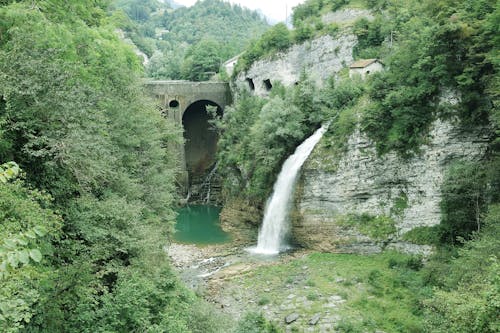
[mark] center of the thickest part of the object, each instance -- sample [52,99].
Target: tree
[202,61]
[27,230]
[464,201]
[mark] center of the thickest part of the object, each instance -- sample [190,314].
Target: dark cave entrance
[200,137]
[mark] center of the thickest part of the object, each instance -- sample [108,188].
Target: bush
[378,227]
[276,39]
[302,33]
[424,235]
[27,232]
[463,202]
[254,322]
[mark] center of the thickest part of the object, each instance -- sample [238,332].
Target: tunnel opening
[173,103]
[200,137]
[251,85]
[267,84]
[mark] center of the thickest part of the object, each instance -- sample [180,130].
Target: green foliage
[274,40]
[202,61]
[346,326]
[342,103]
[399,204]
[442,46]
[341,94]
[370,35]
[312,296]
[169,36]
[464,201]
[468,297]
[410,262]
[378,227]
[277,38]
[302,33]
[313,8]
[140,10]
[255,323]
[258,135]
[74,116]
[27,229]
[307,25]
[8,171]
[332,29]
[424,235]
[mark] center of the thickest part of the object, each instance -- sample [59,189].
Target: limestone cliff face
[320,58]
[362,182]
[406,191]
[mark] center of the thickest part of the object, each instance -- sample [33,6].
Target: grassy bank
[350,293]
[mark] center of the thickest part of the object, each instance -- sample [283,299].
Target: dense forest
[188,42]
[86,198]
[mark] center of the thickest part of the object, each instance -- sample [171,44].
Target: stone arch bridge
[186,103]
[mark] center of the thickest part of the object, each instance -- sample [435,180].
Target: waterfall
[208,183]
[275,225]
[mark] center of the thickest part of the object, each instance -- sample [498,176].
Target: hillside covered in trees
[188,42]
[86,200]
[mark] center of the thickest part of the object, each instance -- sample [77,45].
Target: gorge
[127,203]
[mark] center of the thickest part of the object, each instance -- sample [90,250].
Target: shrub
[424,235]
[254,322]
[463,202]
[302,33]
[378,227]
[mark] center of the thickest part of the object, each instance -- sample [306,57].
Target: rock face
[346,16]
[241,220]
[404,191]
[320,58]
[366,183]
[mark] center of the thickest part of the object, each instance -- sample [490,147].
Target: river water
[199,224]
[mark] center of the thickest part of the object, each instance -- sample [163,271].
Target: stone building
[365,67]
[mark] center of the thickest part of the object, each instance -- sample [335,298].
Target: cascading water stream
[275,225]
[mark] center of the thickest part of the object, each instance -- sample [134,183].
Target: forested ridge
[188,42]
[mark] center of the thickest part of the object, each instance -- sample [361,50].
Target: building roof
[232,59]
[363,63]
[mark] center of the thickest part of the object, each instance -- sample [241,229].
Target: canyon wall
[405,190]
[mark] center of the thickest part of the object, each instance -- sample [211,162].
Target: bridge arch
[200,136]
[177,99]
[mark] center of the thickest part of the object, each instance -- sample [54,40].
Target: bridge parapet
[174,97]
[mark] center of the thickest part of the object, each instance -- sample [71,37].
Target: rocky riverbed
[237,283]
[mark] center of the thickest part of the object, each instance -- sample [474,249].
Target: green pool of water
[199,224]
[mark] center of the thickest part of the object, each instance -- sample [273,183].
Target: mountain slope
[171,37]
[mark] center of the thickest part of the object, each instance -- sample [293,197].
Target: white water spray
[275,225]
